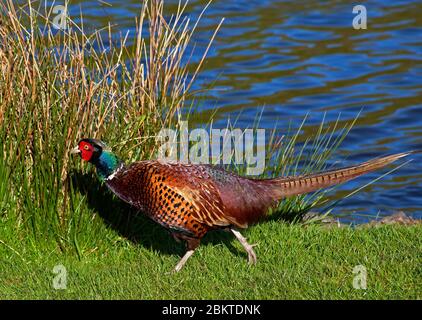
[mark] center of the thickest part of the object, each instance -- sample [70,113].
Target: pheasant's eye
[86,147]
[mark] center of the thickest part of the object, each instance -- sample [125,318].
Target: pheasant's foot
[248,247]
[251,253]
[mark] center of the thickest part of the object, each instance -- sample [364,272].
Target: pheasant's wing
[219,198]
[193,186]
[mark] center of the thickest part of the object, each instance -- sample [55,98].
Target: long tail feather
[290,186]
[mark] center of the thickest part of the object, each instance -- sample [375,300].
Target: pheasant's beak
[75,150]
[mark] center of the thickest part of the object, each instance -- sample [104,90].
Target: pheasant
[190,200]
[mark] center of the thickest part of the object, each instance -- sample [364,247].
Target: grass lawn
[294,262]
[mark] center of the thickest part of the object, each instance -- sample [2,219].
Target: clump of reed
[57,86]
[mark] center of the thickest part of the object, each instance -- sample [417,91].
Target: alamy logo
[60,280]
[359,280]
[359,22]
[60,18]
[219,146]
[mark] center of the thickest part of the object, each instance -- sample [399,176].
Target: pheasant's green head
[100,155]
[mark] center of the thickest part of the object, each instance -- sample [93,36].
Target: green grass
[294,262]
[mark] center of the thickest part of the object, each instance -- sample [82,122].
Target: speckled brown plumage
[183,198]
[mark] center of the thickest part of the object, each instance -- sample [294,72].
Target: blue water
[291,58]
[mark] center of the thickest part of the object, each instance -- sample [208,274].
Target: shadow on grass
[135,226]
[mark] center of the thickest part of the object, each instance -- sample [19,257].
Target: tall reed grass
[57,86]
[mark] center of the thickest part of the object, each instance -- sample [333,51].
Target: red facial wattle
[87,150]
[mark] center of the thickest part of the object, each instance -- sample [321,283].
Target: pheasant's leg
[182,261]
[192,244]
[248,247]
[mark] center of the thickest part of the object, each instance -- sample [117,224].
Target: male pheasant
[191,199]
